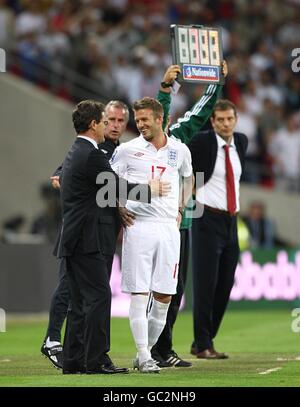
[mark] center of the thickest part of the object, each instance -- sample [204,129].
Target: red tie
[231,202]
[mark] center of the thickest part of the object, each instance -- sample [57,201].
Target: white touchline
[288,359]
[270,370]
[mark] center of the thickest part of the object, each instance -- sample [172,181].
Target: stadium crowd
[121,47]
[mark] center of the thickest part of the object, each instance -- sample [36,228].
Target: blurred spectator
[102,73]
[292,94]
[261,60]
[6,25]
[284,147]
[268,90]
[269,121]
[31,20]
[247,123]
[31,57]
[253,103]
[47,223]
[261,228]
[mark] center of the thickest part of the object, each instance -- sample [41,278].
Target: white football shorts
[150,256]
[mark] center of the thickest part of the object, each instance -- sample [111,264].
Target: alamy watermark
[295,325]
[2,60]
[2,320]
[114,190]
[296,61]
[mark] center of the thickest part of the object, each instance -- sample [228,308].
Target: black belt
[220,211]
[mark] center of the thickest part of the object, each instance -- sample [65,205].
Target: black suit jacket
[108,147]
[204,147]
[83,219]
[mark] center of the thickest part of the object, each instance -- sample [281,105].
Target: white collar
[91,140]
[222,142]
[148,143]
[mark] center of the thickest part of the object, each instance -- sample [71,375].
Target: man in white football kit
[151,245]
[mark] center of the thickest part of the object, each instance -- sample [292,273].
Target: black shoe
[108,369]
[54,354]
[171,359]
[161,362]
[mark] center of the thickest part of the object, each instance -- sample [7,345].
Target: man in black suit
[117,116]
[84,241]
[219,154]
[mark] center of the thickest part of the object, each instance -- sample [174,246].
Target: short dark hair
[224,104]
[85,112]
[149,103]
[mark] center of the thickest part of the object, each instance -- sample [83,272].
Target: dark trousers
[87,337]
[215,251]
[59,305]
[60,301]
[164,344]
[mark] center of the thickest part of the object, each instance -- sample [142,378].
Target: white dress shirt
[214,192]
[91,140]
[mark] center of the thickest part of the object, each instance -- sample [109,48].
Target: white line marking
[287,359]
[275,369]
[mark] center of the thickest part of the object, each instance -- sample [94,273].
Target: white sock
[49,343]
[156,321]
[139,325]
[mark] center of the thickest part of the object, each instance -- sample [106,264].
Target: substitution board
[198,52]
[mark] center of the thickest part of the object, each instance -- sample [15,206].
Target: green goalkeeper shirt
[190,124]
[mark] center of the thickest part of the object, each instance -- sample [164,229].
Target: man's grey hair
[119,105]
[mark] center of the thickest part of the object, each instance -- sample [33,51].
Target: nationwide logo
[201,72]
[138,154]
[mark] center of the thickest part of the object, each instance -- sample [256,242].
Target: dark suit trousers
[59,305]
[215,251]
[90,297]
[164,344]
[60,301]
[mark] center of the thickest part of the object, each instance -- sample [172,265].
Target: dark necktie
[231,202]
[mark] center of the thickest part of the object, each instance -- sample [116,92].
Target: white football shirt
[139,161]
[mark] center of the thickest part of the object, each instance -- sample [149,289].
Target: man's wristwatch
[166,84]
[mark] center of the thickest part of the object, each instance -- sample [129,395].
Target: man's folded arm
[190,124]
[100,171]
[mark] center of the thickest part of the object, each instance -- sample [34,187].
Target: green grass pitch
[262,347]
